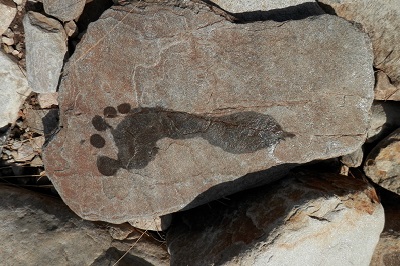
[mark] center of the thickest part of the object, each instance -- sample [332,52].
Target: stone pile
[205,119]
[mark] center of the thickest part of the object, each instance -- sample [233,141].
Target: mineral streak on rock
[137,134]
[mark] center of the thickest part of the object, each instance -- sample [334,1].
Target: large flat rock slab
[160,104]
[307,219]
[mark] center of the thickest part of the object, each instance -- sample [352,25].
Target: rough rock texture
[8,11]
[239,6]
[384,90]
[387,252]
[40,229]
[381,20]
[383,163]
[64,10]
[197,101]
[385,117]
[13,90]
[353,159]
[46,48]
[306,219]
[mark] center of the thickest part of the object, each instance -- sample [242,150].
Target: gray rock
[381,20]
[191,102]
[306,219]
[46,48]
[8,11]
[385,117]
[353,159]
[13,90]
[383,163]
[41,229]
[64,10]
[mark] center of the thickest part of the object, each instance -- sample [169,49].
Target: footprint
[137,134]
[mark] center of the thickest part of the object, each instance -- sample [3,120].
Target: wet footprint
[140,129]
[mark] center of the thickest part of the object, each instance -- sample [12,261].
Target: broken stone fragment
[383,163]
[306,219]
[384,90]
[46,48]
[14,90]
[8,12]
[197,102]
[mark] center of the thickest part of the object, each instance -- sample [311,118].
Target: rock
[353,159]
[71,29]
[384,119]
[48,100]
[240,6]
[46,48]
[383,163]
[306,219]
[14,90]
[8,12]
[41,229]
[381,20]
[64,10]
[44,122]
[6,40]
[384,90]
[387,252]
[207,103]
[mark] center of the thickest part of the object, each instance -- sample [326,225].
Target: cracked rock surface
[305,219]
[291,92]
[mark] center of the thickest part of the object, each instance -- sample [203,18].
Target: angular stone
[381,20]
[384,90]
[45,42]
[387,252]
[306,219]
[8,11]
[383,163]
[13,90]
[353,159]
[197,102]
[41,229]
[385,118]
[64,10]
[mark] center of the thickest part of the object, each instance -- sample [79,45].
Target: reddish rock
[383,163]
[305,219]
[165,107]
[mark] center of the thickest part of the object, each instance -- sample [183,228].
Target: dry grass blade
[129,248]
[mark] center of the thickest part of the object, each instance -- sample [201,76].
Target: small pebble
[15,53]
[18,2]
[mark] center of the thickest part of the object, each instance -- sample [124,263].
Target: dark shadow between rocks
[248,181]
[50,123]
[297,12]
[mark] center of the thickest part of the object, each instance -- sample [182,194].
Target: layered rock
[381,20]
[166,107]
[383,163]
[41,229]
[306,219]
[14,90]
[46,48]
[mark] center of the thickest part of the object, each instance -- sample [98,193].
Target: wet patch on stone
[137,134]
